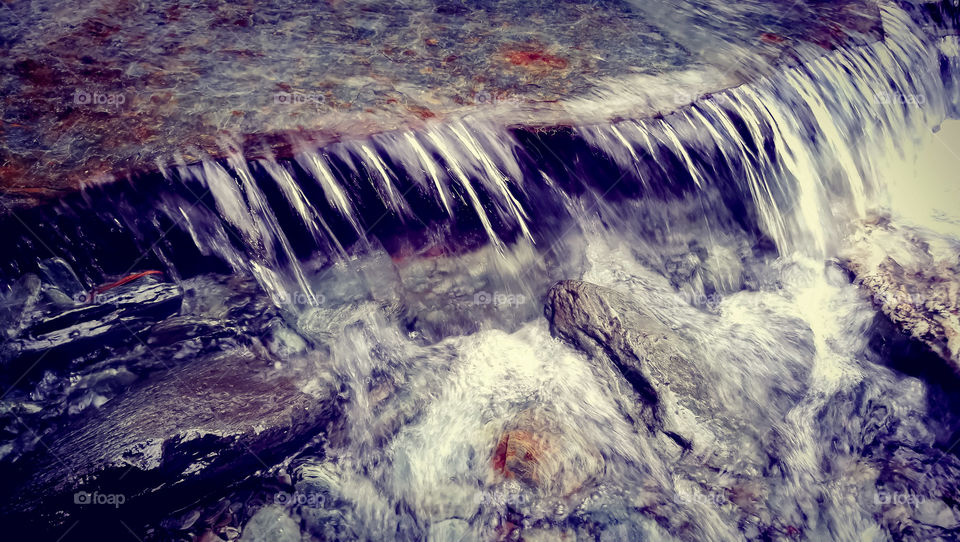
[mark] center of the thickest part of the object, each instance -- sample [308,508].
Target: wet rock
[669,374]
[915,281]
[602,322]
[537,452]
[271,524]
[449,294]
[936,513]
[66,336]
[208,423]
[182,522]
[57,272]
[319,500]
[373,72]
[283,342]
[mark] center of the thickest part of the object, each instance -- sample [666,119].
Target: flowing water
[409,270]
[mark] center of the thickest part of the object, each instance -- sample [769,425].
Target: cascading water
[412,269]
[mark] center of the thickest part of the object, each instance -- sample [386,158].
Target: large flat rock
[111,87]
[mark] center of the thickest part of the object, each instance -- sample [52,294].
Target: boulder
[201,426]
[914,281]
[604,323]
[680,396]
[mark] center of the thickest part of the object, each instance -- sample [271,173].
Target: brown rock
[545,455]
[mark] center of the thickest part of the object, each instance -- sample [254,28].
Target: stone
[57,272]
[677,390]
[936,513]
[357,73]
[914,281]
[537,452]
[212,421]
[66,336]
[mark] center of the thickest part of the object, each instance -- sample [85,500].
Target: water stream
[409,271]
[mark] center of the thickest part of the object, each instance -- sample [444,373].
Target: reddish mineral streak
[535,59]
[121,282]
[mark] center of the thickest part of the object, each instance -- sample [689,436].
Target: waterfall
[406,273]
[803,150]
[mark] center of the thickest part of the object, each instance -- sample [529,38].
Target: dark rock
[209,423]
[67,336]
[687,399]
[600,321]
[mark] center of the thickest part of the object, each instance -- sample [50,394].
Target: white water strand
[861,103]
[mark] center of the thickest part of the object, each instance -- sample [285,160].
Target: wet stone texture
[206,422]
[96,91]
[916,286]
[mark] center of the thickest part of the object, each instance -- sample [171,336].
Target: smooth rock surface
[94,92]
[211,421]
[683,393]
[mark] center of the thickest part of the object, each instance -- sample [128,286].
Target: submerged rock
[66,334]
[537,452]
[209,423]
[271,524]
[689,402]
[652,357]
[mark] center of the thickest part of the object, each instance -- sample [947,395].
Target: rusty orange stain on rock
[421,112]
[518,456]
[535,59]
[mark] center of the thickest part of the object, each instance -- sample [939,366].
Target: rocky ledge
[111,88]
[205,425]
